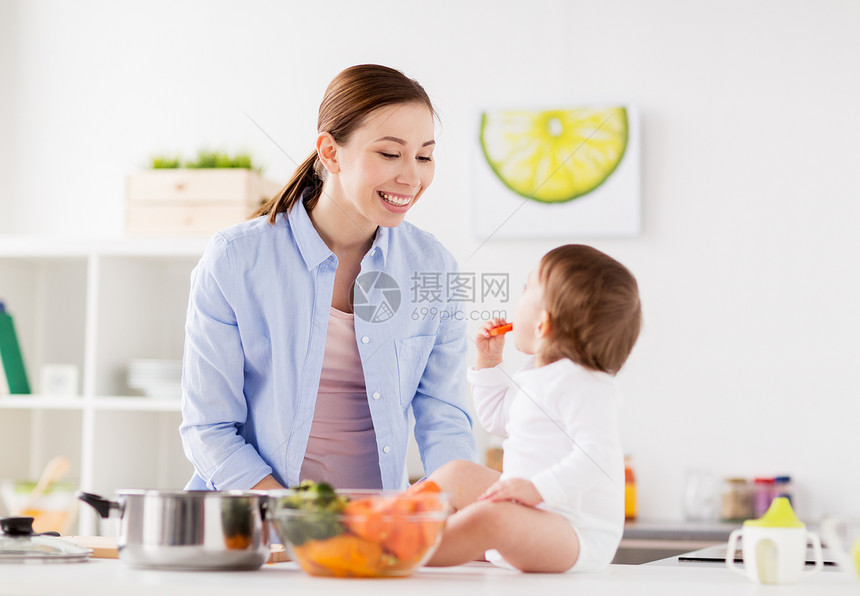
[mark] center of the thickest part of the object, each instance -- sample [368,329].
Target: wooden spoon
[54,470]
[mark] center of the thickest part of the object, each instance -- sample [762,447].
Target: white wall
[748,262]
[8,43]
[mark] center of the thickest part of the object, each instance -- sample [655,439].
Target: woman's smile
[398,201]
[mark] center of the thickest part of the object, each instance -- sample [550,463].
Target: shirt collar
[312,248]
[380,243]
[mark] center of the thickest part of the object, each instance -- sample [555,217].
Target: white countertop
[102,576]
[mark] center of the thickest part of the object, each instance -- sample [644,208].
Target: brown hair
[593,305]
[349,99]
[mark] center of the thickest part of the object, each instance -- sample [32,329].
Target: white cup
[774,555]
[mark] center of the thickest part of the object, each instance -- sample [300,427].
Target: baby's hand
[518,490]
[489,346]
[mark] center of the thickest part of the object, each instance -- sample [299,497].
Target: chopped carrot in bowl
[360,533]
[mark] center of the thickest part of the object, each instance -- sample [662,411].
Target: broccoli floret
[322,505]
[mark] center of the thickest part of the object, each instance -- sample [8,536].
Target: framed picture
[561,173]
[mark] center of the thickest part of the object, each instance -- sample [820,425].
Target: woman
[282,381]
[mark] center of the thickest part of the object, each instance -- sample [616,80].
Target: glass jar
[736,502]
[782,488]
[763,493]
[629,489]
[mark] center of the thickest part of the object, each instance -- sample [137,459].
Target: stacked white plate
[156,378]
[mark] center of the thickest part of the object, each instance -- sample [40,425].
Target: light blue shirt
[255,337]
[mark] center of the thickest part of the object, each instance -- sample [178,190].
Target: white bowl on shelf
[156,378]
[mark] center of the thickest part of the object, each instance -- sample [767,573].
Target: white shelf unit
[96,304]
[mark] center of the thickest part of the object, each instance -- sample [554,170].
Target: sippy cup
[774,546]
[843,539]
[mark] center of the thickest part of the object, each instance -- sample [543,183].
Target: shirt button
[373,251]
[376,395]
[365,340]
[386,449]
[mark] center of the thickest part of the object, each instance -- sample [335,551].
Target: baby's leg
[464,481]
[529,539]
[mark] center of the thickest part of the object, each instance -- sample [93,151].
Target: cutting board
[105,547]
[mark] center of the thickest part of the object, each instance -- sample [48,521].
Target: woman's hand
[518,490]
[489,346]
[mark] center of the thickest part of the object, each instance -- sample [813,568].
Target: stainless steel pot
[189,529]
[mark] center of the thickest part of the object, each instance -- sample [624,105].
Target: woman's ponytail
[306,177]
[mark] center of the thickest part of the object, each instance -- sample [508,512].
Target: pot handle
[21,526]
[99,503]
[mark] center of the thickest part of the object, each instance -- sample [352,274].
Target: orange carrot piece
[425,486]
[406,540]
[368,519]
[502,329]
[344,556]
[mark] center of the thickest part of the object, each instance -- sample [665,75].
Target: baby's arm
[490,385]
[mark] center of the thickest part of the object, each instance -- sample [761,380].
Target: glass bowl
[360,533]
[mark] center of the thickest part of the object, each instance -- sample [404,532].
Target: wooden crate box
[193,202]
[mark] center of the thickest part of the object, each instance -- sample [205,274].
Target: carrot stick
[501,329]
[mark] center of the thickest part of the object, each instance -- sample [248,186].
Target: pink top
[342,445]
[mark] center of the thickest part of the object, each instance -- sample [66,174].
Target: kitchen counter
[712,531]
[102,576]
[650,540]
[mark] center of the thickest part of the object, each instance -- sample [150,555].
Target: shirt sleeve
[213,403]
[591,425]
[492,393]
[443,427]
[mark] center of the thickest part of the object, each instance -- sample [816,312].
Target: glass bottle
[736,502]
[782,488]
[629,489]
[763,493]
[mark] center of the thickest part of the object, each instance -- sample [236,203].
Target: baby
[559,504]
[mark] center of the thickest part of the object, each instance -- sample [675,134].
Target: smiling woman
[283,381]
[372,179]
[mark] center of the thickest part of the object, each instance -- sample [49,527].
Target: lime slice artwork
[554,156]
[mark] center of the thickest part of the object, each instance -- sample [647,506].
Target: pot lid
[19,544]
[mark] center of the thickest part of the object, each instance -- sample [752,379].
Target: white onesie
[561,424]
